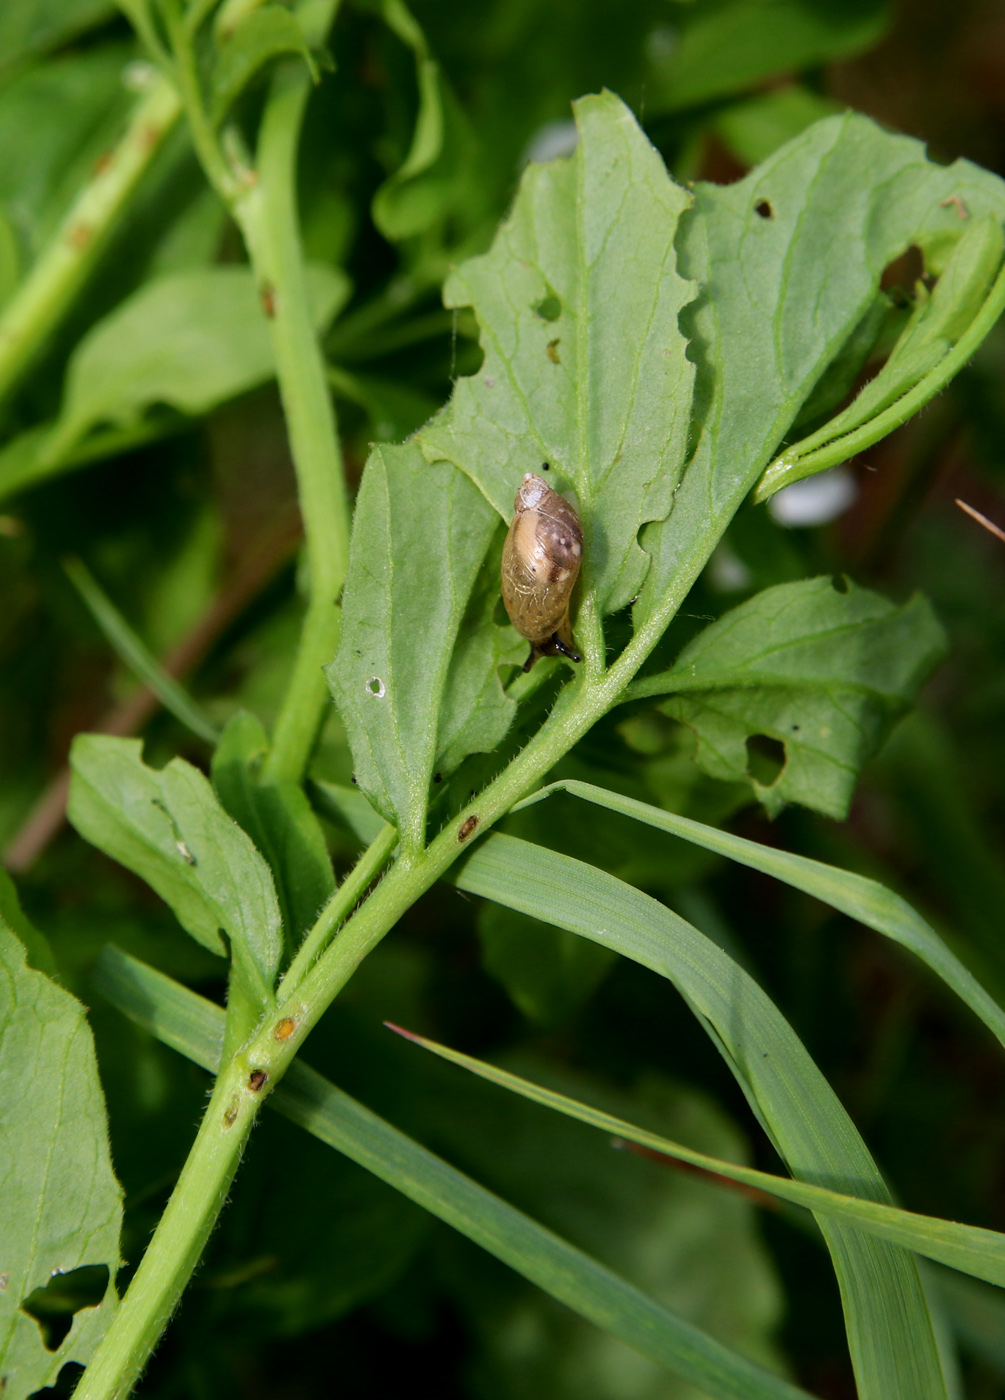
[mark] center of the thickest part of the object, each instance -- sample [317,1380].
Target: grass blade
[968,1248]
[194,1027]
[863,899]
[887,1320]
[134,654]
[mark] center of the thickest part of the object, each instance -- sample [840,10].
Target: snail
[540,563]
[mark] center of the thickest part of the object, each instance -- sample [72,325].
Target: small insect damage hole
[764,209]
[840,583]
[766,759]
[62,1387]
[55,1304]
[467,828]
[549,308]
[552,351]
[257,1080]
[284,1028]
[902,275]
[375,687]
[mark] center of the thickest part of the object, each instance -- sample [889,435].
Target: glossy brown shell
[540,564]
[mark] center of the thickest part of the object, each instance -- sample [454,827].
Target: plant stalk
[63,268]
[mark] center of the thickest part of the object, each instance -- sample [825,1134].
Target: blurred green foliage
[410,156]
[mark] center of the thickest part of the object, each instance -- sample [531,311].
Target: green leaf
[36,945]
[191,341]
[348,807]
[966,1247]
[62,1207]
[435,175]
[723,46]
[755,127]
[168,828]
[136,655]
[889,1329]
[259,38]
[585,366]
[33,27]
[279,820]
[420,534]
[694,1249]
[822,670]
[789,260]
[56,119]
[194,1027]
[860,898]
[548,973]
[919,361]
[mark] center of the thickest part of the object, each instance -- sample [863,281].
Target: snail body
[540,565]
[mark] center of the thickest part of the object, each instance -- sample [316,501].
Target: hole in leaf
[549,308]
[764,208]
[901,276]
[65,1384]
[375,687]
[766,759]
[840,583]
[53,1306]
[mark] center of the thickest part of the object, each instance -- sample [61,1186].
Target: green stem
[267,215]
[339,907]
[49,289]
[258,1067]
[179,1238]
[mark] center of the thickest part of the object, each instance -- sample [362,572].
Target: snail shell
[540,564]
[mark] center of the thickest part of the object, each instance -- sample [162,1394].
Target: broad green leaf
[279,820]
[191,341]
[259,38]
[789,261]
[194,1027]
[62,1207]
[860,898]
[922,353]
[420,535]
[718,47]
[822,668]
[136,655]
[168,827]
[889,1329]
[431,179]
[966,1247]
[585,366]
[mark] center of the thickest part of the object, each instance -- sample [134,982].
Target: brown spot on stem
[80,235]
[257,1080]
[467,828]
[268,295]
[285,1028]
[230,1114]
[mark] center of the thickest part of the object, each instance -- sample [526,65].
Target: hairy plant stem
[256,1068]
[50,287]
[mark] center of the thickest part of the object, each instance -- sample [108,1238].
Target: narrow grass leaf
[857,896]
[889,1329]
[132,651]
[969,1248]
[194,1027]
